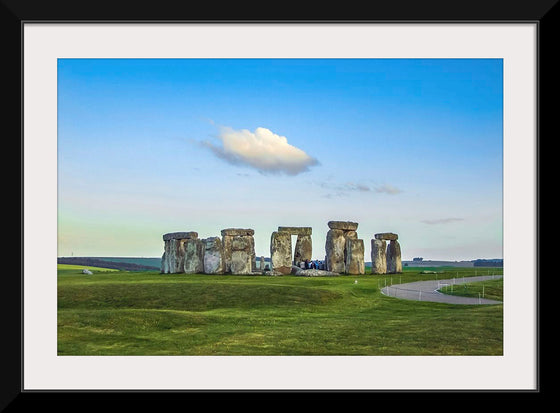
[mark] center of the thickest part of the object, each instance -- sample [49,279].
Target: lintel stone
[389,236]
[343,225]
[237,232]
[296,230]
[180,235]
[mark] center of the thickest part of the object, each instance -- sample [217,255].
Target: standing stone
[194,256]
[262,264]
[394,263]
[253,254]
[388,236]
[303,250]
[378,256]
[169,257]
[226,253]
[281,252]
[241,262]
[213,263]
[173,258]
[335,247]
[238,245]
[355,256]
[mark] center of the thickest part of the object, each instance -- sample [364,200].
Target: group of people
[311,265]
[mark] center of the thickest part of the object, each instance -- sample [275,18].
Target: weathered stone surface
[378,256]
[238,231]
[180,235]
[355,256]
[389,236]
[296,230]
[304,249]
[335,246]
[350,234]
[253,255]
[262,264]
[241,262]
[194,256]
[239,247]
[241,243]
[173,256]
[226,253]
[343,225]
[281,252]
[213,263]
[394,263]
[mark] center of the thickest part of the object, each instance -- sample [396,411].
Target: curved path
[427,291]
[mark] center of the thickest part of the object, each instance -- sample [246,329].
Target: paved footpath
[427,290]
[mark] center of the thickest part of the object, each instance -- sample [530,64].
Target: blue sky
[411,146]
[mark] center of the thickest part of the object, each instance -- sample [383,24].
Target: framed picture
[262,107]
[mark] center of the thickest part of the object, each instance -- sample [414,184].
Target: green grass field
[147,313]
[492,289]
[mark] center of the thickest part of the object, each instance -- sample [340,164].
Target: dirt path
[427,290]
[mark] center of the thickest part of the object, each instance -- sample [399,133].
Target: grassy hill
[148,313]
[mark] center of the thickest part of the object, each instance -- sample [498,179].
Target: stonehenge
[234,252]
[185,253]
[386,258]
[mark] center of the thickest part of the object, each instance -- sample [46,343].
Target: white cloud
[262,150]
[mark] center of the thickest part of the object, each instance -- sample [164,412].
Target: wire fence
[430,290]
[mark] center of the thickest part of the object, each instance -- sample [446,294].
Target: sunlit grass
[147,313]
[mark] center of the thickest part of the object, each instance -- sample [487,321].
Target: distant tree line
[96,262]
[489,262]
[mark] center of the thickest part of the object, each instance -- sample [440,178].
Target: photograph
[280,207]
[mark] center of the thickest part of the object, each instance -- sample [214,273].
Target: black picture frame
[14,13]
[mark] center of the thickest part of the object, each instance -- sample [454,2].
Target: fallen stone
[314,273]
[343,225]
[389,236]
